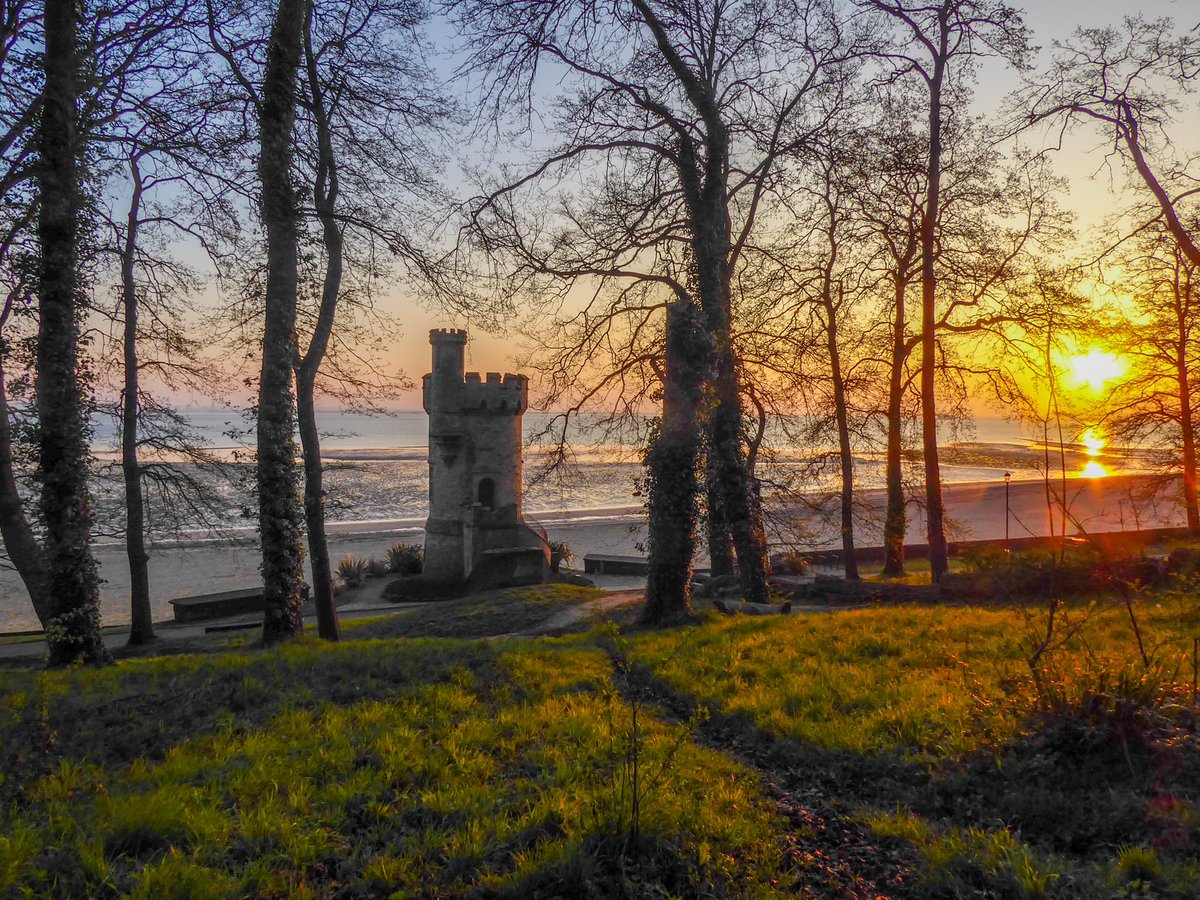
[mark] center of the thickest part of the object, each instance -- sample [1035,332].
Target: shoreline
[621,514]
[975,510]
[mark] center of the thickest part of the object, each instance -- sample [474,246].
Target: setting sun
[1096,368]
[1094,470]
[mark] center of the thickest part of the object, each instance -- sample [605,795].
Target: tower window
[487,493]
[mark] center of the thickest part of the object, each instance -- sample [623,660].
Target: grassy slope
[498,612]
[427,767]
[453,767]
[919,718]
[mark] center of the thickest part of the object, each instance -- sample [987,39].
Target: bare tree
[825,259]
[1155,400]
[938,43]
[1129,82]
[679,116]
[890,192]
[367,103]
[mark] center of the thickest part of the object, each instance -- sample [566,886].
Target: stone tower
[475,531]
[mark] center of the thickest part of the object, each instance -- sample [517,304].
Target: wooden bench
[604,564]
[215,606]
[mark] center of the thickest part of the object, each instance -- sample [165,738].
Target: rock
[751,609]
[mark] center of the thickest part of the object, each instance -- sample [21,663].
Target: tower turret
[475,520]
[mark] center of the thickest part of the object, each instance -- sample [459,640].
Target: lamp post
[1007,480]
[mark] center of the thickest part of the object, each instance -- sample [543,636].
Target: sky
[1090,195]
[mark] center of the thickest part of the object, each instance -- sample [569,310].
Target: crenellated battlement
[508,393]
[447,336]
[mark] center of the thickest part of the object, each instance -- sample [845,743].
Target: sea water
[376,467]
[377,476]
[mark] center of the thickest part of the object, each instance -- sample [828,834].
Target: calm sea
[376,466]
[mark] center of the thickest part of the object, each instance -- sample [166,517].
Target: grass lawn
[450,767]
[482,615]
[924,720]
[414,768]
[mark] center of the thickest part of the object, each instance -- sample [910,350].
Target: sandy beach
[975,511]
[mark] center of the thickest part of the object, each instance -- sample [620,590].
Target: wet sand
[974,511]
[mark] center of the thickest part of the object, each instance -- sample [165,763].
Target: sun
[1096,368]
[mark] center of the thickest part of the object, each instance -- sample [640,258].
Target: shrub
[790,562]
[1118,712]
[560,552]
[377,568]
[352,571]
[405,559]
[1139,863]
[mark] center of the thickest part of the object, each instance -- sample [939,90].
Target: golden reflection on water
[1092,442]
[1094,470]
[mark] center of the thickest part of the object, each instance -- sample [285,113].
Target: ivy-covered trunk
[278,507]
[720,547]
[72,582]
[672,464]
[727,454]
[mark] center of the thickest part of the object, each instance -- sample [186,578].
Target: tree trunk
[314,511]
[672,462]
[72,582]
[934,509]
[845,451]
[279,516]
[895,521]
[720,547]
[727,456]
[1186,425]
[742,511]
[325,193]
[142,627]
[19,539]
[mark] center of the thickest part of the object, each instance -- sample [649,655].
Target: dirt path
[828,853]
[576,614]
[355,603]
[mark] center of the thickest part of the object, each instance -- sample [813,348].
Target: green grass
[498,612]
[423,767]
[409,765]
[932,708]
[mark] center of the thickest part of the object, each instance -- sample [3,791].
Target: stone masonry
[475,531]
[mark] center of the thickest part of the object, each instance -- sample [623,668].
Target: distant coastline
[977,510]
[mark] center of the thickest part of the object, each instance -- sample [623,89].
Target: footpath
[358,603]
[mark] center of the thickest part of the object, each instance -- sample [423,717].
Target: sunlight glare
[1092,442]
[1096,368]
[1094,470]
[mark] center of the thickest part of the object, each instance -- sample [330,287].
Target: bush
[353,572]
[406,559]
[1120,712]
[377,568]
[791,562]
[560,552]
